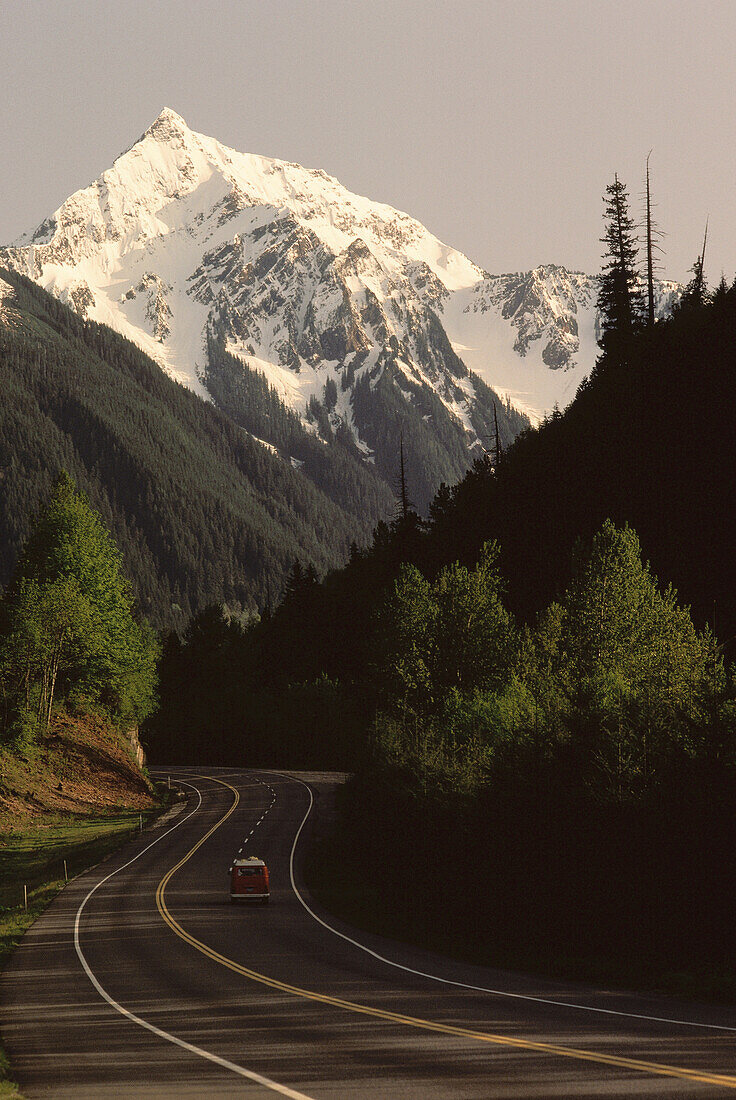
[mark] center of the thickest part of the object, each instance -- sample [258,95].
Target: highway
[143,980]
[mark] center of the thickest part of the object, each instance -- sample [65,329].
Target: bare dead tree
[699,269]
[650,261]
[653,235]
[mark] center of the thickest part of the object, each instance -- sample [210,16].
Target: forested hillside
[201,510]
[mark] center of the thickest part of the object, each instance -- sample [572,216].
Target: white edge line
[466,985]
[240,1070]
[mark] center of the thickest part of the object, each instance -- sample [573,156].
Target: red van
[249,880]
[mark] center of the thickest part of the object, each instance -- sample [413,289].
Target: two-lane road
[143,980]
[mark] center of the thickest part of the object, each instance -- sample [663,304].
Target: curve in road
[335,1015]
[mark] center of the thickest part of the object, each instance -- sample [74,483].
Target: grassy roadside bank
[334,875]
[33,854]
[74,794]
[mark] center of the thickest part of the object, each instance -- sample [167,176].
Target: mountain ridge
[185,244]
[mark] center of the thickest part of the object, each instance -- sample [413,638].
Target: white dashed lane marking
[264,814]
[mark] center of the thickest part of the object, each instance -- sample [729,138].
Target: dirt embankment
[82,766]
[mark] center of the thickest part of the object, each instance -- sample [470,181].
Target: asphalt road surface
[142,979]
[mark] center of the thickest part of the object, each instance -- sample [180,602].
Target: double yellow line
[656,1068]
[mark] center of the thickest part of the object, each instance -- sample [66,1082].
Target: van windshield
[251,870]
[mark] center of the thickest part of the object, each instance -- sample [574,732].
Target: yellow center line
[657,1068]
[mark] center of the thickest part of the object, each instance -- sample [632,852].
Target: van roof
[251,861]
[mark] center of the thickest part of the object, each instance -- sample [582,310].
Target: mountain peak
[184,238]
[166,124]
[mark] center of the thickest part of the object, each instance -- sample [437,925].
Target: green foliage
[475,632]
[449,635]
[427,764]
[409,641]
[67,619]
[614,683]
[616,617]
[632,680]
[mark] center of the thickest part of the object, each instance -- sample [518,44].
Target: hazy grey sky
[497,124]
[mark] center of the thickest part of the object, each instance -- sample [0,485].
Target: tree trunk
[650,262]
[52,686]
[623,280]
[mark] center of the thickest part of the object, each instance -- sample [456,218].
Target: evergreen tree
[404,496]
[650,253]
[619,299]
[330,397]
[201,511]
[695,294]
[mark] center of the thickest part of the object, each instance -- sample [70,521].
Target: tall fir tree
[619,297]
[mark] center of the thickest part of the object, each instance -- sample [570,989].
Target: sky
[496,123]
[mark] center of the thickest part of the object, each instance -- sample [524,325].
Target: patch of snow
[264,443]
[485,342]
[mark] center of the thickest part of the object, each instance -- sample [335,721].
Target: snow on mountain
[184,242]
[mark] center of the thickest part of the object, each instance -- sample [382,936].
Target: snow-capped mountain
[204,256]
